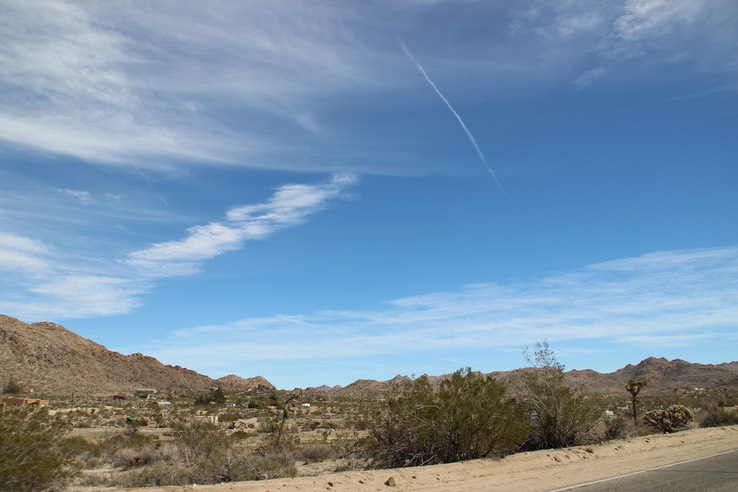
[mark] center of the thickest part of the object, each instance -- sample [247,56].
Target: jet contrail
[451,108]
[150,184]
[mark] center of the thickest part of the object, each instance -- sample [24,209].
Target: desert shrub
[671,419]
[615,428]
[126,449]
[468,416]
[31,452]
[229,416]
[560,415]
[314,452]
[716,416]
[12,388]
[199,440]
[240,435]
[158,474]
[268,464]
[211,456]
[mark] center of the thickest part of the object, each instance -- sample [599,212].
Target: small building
[12,401]
[146,393]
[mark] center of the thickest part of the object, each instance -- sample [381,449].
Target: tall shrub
[468,416]
[560,415]
[31,454]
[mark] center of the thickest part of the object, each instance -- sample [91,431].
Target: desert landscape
[129,422]
[544,470]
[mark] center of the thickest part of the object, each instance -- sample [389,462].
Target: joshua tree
[633,387]
[285,414]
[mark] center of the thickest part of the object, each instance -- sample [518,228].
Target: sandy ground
[535,471]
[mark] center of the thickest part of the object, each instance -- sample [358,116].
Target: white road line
[572,487]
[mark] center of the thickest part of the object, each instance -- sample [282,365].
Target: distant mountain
[50,359]
[237,383]
[661,375]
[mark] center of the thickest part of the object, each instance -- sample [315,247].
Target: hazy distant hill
[661,375]
[51,359]
[48,358]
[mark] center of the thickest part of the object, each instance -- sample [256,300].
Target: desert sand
[533,471]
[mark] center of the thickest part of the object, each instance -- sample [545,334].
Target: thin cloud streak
[57,286]
[672,296]
[289,206]
[453,111]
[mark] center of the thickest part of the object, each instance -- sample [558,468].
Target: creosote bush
[671,419]
[560,416]
[32,457]
[12,388]
[468,416]
[716,416]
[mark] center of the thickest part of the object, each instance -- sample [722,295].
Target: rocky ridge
[53,360]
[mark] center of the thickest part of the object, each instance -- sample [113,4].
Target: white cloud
[672,296]
[57,286]
[589,77]
[110,83]
[607,37]
[80,195]
[648,18]
[289,206]
[22,254]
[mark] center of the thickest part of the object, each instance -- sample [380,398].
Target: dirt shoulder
[534,471]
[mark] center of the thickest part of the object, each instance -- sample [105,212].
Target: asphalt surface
[715,473]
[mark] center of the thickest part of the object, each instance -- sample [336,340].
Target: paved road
[716,473]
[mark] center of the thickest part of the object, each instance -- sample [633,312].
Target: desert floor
[535,471]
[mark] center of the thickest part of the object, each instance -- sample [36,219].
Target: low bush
[716,416]
[32,457]
[12,388]
[671,419]
[469,416]
[315,452]
[615,428]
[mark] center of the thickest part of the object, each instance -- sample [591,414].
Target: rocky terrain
[51,359]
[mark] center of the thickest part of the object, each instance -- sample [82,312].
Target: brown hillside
[237,383]
[662,376]
[50,359]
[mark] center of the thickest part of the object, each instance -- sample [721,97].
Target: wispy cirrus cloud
[603,37]
[111,84]
[289,206]
[18,253]
[670,297]
[68,286]
[246,84]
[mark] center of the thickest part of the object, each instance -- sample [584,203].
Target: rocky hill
[50,359]
[661,375]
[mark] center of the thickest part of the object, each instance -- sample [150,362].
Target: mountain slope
[50,359]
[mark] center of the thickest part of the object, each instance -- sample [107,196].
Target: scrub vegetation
[225,436]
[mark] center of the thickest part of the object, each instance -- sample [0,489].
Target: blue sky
[319,192]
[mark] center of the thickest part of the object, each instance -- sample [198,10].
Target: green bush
[560,415]
[671,419]
[32,457]
[12,388]
[718,416]
[469,416]
[615,428]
